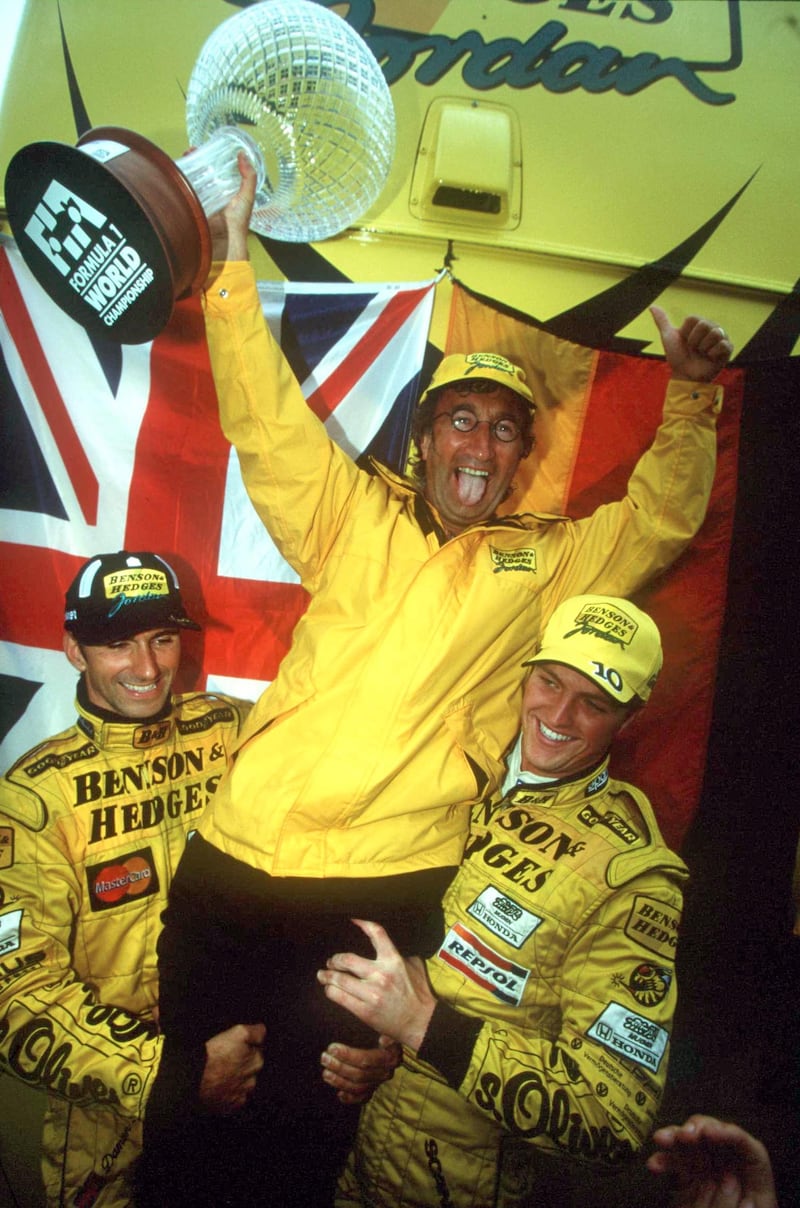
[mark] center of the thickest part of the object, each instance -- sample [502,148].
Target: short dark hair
[422,421]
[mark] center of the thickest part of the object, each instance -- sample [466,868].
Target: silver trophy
[115,231]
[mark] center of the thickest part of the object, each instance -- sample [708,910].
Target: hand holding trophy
[115,231]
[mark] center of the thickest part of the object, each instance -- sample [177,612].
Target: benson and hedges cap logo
[603,621]
[135,583]
[121,879]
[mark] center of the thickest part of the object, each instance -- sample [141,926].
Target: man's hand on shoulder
[697,350]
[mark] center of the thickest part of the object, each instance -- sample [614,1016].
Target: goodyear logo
[87,751]
[504,560]
[615,822]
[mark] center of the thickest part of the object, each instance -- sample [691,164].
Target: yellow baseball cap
[460,366]
[609,640]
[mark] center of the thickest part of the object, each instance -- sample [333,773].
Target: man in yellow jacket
[93,822]
[391,714]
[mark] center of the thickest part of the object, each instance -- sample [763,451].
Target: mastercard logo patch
[122,879]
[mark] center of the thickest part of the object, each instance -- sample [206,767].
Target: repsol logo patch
[122,879]
[464,952]
[505,560]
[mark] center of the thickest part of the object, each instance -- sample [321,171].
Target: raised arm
[697,350]
[299,480]
[624,544]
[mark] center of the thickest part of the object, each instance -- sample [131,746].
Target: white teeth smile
[553,735]
[139,687]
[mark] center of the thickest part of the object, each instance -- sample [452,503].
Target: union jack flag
[108,447]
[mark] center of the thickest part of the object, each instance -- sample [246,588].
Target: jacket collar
[109,731]
[574,789]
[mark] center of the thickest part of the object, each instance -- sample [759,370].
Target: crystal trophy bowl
[115,231]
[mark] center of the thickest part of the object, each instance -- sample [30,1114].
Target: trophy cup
[115,231]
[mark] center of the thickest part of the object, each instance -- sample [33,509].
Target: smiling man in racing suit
[92,824]
[546,1011]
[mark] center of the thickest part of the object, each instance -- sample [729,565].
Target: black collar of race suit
[593,779]
[108,716]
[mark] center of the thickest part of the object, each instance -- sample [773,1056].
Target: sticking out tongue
[471,488]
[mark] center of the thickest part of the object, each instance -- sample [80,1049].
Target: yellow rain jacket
[392,711]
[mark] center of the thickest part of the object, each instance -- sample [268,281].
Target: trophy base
[111,229]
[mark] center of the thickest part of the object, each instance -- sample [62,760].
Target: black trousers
[239,946]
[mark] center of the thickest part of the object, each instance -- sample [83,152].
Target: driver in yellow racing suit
[546,1011]
[92,824]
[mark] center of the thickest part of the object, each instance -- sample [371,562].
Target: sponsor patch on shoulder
[648,984]
[654,925]
[463,951]
[6,846]
[612,820]
[199,725]
[631,1035]
[10,931]
[122,879]
[505,917]
[60,761]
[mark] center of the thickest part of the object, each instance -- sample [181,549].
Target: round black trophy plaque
[111,230]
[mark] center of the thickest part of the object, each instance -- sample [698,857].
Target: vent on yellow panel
[468,168]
